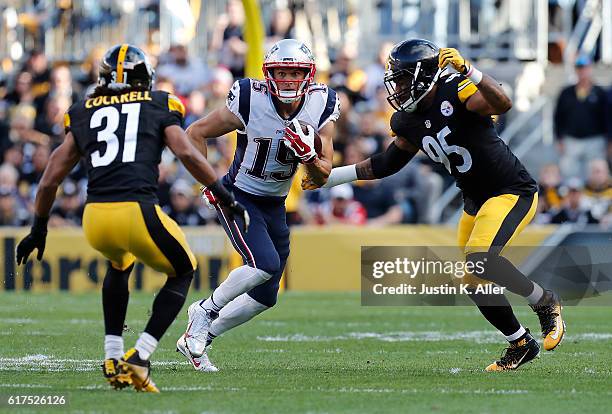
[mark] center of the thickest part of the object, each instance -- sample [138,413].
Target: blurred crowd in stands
[36,92]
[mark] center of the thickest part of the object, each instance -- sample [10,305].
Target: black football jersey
[121,138]
[466,144]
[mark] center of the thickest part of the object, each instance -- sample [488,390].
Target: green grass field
[313,353]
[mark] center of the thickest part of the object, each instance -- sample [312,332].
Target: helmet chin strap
[287,99]
[289,96]
[412,106]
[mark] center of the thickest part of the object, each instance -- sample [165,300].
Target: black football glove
[35,240]
[228,203]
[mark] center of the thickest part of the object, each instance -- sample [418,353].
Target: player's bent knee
[179,285]
[266,294]
[492,265]
[267,269]
[261,274]
[116,279]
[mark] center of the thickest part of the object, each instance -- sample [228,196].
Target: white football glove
[208,197]
[300,143]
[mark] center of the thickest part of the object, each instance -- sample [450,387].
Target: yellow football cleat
[112,374]
[548,310]
[138,370]
[516,354]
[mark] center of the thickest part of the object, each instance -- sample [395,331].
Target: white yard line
[24,386]
[16,321]
[421,336]
[40,362]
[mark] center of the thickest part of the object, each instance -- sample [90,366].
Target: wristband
[474,75]
[341,175]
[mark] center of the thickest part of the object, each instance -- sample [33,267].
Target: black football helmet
[412,70]
[125,66]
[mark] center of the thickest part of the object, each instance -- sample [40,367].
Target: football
[317,140]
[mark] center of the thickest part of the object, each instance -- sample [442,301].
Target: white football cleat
[201,363]
[197,329]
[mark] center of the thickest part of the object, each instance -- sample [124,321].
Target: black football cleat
[548,310]
[517,354]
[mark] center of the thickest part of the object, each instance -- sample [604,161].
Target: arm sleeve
[391,161]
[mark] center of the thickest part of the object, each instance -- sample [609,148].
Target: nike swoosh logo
[519,361]
[559,328]
[191,358]
[195,363]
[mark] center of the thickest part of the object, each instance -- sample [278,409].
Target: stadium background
[49,52]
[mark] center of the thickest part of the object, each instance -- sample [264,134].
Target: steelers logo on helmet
[412,71]
[125,66]
[289,54]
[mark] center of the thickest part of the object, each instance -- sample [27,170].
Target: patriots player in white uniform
[267,155]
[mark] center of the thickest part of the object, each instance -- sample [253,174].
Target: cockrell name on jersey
[121,138]
[118,99]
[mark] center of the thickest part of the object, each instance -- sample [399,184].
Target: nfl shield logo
[446,108]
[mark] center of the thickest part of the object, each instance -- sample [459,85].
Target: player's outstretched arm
[218,123]
[490,99]
[61,162]
[380,165]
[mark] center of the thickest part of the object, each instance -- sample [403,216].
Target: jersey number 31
[108,135]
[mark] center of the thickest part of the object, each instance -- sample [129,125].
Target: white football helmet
[289,53]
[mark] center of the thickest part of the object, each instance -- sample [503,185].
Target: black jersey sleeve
[174,113]
[458,88]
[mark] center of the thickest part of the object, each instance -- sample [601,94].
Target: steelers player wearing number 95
[448,116]
[120,131]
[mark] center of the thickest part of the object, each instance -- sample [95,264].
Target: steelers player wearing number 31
[120,131]
[448,116]
[276,122]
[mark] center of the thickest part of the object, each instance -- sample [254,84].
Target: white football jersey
[262,164]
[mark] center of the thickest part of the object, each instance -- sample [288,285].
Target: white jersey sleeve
[238,101]
[331,113]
